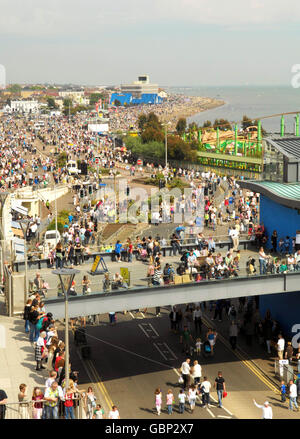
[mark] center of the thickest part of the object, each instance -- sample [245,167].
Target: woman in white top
[90,400]
[262,261]
[192,397]
[196,372]
[291,263]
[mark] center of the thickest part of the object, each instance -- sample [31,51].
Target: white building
[72,94]
[24,106]
[139,87]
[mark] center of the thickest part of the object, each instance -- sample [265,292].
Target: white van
[72,168]
[52,237]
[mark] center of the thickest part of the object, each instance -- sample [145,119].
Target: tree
[207,124]
[193,126]
[79,108]
[151,133]
[68,105]
[153,120]
[222,124]
[181,126]
[94,97]
[51,103]
[142,120]
[15,88]
[246,122]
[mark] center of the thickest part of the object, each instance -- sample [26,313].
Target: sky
[176,42]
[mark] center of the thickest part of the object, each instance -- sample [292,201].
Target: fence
[283,370]
[25,410]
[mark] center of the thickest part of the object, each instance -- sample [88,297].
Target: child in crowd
[181,397]
[198,346]
[98,412]
[283,267]
[283,391]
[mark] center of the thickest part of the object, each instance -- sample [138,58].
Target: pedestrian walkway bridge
[147,297]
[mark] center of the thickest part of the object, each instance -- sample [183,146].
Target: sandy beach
[171,110]
[191,106]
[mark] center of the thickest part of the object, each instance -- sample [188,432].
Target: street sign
[94,270]
[125,273]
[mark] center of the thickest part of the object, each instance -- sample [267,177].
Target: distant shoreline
[192,106]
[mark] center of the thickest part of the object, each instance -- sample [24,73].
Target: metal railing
[138,281]
[26,410]
[284,370]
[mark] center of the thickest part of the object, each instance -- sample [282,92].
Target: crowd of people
[237,210]
[190,393]
[53,400]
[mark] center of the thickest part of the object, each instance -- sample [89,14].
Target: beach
[175,106]
[187,107]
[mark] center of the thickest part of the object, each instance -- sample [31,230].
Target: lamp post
[166,146]
[55,213]
[66,277]
[24,224]
[2,201]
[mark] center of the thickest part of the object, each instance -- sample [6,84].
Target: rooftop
[287,194]
[288,146]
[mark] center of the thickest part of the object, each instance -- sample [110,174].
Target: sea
[254,101]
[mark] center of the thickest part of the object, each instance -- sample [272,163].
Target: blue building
[280,210]
[128,99]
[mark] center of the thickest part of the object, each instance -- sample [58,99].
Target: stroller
[206,349]
[143,255]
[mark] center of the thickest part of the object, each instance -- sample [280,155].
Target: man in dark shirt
[186,338]
[220,385]
[3,401]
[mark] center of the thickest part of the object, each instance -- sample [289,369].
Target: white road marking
[154,330]
[141,327]
[148,330]
[171,352]
[226,410]
[142,314]
[163,355]
[131,314]
[211,413]
[225,417]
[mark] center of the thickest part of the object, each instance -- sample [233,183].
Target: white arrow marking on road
[141,326]
[170,351]
[155,332]
[154,344]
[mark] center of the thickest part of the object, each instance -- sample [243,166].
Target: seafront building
[138,92]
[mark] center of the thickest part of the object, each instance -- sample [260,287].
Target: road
[140,353]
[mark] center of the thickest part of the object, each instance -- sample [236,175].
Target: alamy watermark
[296,337]
[135,205]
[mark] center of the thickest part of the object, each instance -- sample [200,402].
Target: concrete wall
[284,307]
[42,194]
[277,217]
